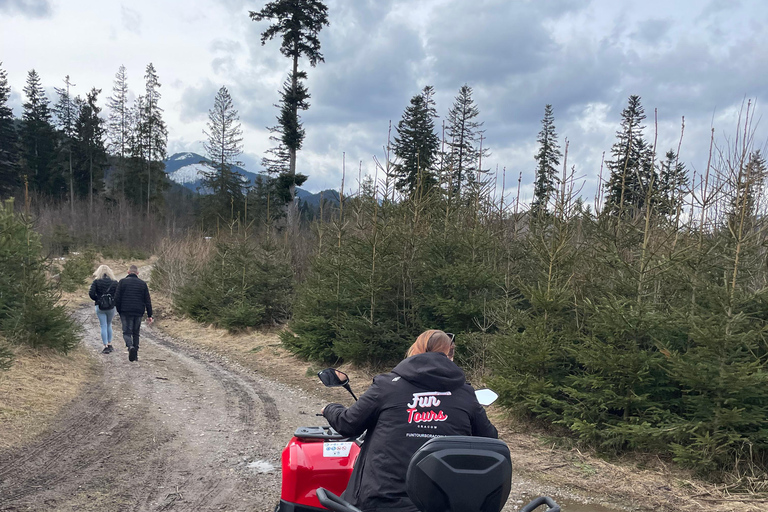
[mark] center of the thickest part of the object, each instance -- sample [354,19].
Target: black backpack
[106,301]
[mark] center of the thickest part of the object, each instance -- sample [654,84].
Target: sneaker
[132,354]
[106,350]
[110,348]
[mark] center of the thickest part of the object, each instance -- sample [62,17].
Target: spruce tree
[9,142]
[66,112]
[673,184]
[416,145]
[91,155]
[631,167]
[154,135]
[548,160]
[463,139]
[224,145]
[298,22]
[132,181]
[119,124]
[286,134]
[39,140]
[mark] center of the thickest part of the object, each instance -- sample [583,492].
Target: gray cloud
[29,8]
[131,19]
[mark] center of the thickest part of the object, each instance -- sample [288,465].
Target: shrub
[245,284]
[77,269]
[29,309]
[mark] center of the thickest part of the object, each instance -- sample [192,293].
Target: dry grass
[36,388]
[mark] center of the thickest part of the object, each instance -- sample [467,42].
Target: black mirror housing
[330,378]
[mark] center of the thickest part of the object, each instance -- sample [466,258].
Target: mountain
[186,169]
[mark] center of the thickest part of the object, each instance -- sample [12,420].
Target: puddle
[261,466]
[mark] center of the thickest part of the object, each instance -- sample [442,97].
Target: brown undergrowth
[637,482]
[39,385]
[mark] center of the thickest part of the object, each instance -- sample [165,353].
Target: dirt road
[177,430]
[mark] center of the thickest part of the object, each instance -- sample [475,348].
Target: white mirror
[486,396]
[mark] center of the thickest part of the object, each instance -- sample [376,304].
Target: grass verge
[36,388]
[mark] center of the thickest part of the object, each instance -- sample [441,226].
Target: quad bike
[447,474]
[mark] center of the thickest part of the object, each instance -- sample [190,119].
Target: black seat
[460,474]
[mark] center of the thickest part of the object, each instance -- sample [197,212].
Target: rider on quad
[425,396]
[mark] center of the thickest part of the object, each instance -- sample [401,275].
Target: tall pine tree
[154,136]
[9,142]
[90,153]
[463,139]
[416,145]
[66,112]
[631,164]
[119,124]
[673,184]
[298,22]
[548,160]
[39,140]
[224,145]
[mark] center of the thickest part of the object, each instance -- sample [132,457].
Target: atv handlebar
[541,500]
[333,502]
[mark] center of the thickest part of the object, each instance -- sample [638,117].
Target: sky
[697,59]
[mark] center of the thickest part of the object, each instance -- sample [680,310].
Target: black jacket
[132,297]
[101,286]
[425,396]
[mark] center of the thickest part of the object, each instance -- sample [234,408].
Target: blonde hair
[432,341]
[102,271]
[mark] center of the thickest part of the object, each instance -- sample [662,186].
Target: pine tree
[91,155]
[747,184]
[631,167]
[463,135]
[299,23]
[416,144]
[154,136]
[9,141]
[673,184]
[224,145]
[132,181]
[548,159]
[119,124]
[66,112]
[286,134]
[39,140]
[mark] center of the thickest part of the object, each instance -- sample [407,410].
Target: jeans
[131,326]
[105,321]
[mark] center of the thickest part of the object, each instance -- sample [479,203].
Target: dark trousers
[131,326]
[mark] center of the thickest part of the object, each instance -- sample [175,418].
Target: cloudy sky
[695,58]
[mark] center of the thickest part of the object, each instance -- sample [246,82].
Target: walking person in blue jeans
[131,299]
[102,292]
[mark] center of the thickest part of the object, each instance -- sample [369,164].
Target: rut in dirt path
[177,430]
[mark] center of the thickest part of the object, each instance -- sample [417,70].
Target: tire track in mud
[175,431]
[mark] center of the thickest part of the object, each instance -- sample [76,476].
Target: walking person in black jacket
[425,396]
[131,299]
[102,292]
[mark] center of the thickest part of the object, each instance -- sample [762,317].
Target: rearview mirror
[486,396]
[332,377]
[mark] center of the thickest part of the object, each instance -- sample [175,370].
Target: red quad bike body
[315,457]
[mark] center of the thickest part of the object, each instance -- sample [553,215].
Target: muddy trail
[177,430]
